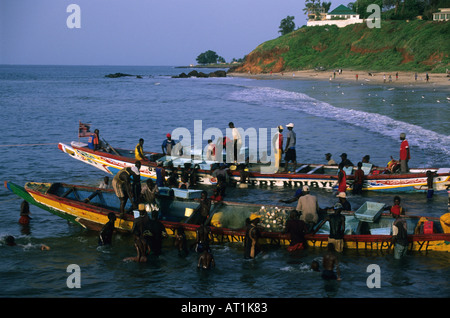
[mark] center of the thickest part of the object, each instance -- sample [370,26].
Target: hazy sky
[139,32]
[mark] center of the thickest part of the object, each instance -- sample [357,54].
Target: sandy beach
[360,77]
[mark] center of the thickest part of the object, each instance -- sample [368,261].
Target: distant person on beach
[122,187]
[290,152]
[337,228]
[329,262]
[139,151]
[404,154]
[330,162]
[106,234]
[167,145]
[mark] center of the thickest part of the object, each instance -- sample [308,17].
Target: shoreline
[436,80]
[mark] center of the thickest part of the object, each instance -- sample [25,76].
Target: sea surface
[42,105]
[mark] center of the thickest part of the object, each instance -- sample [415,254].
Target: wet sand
[361,77]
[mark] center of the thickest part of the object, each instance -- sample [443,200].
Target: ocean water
[42,105]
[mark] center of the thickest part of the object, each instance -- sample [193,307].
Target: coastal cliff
[417,45]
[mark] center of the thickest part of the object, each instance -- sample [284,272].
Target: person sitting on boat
[105,183]
[168,145]
[346,206]
[139,151]
[297,230]
[309,207]
[337,227]
[345,161]
[122,187]
[330,162]
[105,236]
[396,209]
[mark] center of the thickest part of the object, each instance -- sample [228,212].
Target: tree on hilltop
[208,57]
[287,25]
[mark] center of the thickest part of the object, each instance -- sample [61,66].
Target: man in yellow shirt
[139,151]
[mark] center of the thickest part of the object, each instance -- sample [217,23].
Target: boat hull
[416,180]
[94,217]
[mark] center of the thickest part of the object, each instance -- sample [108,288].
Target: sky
[139,32]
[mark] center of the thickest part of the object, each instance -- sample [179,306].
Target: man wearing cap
[330,162]
[404,153]
[291,154]
[167,145]
[309,207]
[346,206]
[337,227]
[345,162]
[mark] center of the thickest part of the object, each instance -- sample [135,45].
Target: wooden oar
[110,147]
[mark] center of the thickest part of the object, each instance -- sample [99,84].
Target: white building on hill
[341,16]
[442,15]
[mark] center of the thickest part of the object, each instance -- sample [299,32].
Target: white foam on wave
[377,123]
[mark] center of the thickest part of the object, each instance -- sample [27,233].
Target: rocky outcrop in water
[194,73]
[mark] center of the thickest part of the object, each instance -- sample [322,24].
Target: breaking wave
[272,97]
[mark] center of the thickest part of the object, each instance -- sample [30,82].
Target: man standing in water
[404,154]
[330,261]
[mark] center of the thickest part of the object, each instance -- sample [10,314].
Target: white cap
[341,195]
[290,125]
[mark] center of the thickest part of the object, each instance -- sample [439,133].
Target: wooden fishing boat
[89,207]
[313,175]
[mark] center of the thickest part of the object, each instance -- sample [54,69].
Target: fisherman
[430,183]
[330,162]
[399,236]
[345,161]
[404,154]
[141,232]
[278,146]
[202,212]
[168,145]
[139,151]
[94,140]
[396,209]
[211,151]
[11,241]
[203,238]
[105,183]
[149,191]
[252,236]
[342,178]
[329,262]
[237,141]
[337,228]
[346,206]
[24,213]
[136,182]
[181,242]
[122,187]
[290,153]
[358,180]
[160,174]
[105,236]
[206,260]
[297,230]
[309,207]
[158,232]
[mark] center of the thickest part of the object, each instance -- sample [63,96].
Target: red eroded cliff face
[262,62]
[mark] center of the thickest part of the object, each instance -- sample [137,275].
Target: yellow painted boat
[89,207]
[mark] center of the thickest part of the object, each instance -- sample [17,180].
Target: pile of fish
[273,219]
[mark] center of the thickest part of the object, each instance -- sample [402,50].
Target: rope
[26,145]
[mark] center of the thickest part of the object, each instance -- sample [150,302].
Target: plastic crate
[369,211]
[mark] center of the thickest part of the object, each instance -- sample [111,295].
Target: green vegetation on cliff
[396,46]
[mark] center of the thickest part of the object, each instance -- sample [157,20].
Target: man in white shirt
[309,208]
[237,141]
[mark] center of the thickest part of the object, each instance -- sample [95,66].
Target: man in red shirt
[404,153]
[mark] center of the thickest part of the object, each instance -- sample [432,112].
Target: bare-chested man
[330,260]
